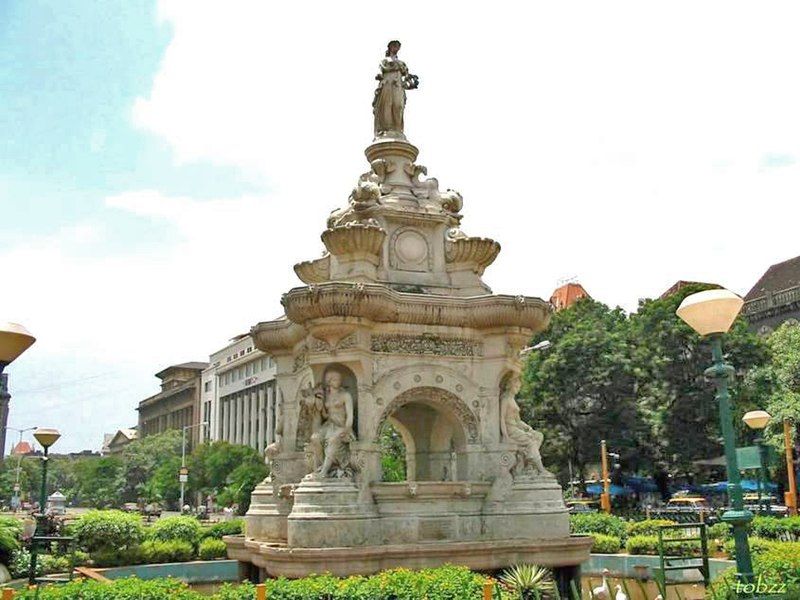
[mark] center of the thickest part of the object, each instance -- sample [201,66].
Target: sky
[164,164]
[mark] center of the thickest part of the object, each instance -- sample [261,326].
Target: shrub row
[443,583]
[774,564]
[648,544]
[605,544]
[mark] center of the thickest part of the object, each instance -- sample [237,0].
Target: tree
[668,360]
[99,481]
[579,390]
[229,471]
[143,457]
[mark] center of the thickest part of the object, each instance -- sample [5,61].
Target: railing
[781,298]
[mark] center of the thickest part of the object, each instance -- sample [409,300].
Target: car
[689,503]
[582,506]
[131,507]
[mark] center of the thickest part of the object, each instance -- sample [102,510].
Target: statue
[390,96]
[516,431]
[331,426]
[273,449]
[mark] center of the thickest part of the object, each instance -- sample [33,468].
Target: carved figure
[389,102]
[516,431]
[331,427]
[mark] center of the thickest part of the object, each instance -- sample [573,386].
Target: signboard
[748,457]
[183,478]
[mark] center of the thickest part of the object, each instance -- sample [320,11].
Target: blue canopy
[748,485]
[595,489]
[641,484]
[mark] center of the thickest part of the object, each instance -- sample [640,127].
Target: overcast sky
[163,166]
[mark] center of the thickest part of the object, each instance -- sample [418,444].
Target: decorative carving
[314,271]
[331,408]
[389,103]
[425,344]
[409,250]
[436,396]
[477,252]
[354,238]
[516,431]
[300,360]
[452,202]
[347,342]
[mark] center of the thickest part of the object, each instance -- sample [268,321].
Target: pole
[39,520]
[763,483]
[605,497]
[16,479]
[737,516]
[790,497]
[183,465]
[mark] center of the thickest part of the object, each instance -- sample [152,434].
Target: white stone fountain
[395,324]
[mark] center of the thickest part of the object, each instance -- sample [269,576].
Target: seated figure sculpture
[516,431]
[332,427]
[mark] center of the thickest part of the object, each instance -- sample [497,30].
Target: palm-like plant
[528,581]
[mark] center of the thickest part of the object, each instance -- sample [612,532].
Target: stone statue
[516,431]
[331,427]
[390,96]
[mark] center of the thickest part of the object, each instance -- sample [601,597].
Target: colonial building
[177,405]
[238,395]
[119,440]
[775,298]
[567,295]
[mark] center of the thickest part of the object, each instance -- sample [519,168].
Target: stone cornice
[378,303]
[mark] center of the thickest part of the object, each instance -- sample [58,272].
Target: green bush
[10,534]
[157,551]
[211,548]
[54,564]
[20,563]
[109,557]
[597,523]
[774,528]
[757,545]
[217,530]
[185,529]
[648,544]
[719,531]
[647,527]
[108,530]
[777,563]
[121,589]
[606,544]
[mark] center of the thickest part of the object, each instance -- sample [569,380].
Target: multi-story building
[775,297]
[239,395]
[567,295]
[177,405]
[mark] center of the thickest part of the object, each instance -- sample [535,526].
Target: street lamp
[711,313]
[757,420]
[14,340]
[15,499]
[184,474]
[46,436]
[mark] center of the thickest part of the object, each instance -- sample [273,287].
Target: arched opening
[394,452]
[432,425]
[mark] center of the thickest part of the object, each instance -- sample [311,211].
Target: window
[207,386]
[248,369]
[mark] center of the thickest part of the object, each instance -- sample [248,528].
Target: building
[177,405]
[22,448]
[238,395]
[120,439]
[567,295]
[775,297]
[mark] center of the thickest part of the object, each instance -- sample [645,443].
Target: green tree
[579,390]
[229,471]
[99,481]
[142,458]
[668,360]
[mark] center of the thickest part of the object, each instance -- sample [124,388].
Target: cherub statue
[516,431]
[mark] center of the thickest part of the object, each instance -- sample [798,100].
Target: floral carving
[440,397]
[425,344]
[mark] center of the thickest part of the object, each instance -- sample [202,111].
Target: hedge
[211,548]
[157,551]
[776,564]
[186,529]
[217,530]
[443,583]
[648,544]
[647,527]
[597,523]
[605,544]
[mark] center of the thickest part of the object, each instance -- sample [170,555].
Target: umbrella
[595,489]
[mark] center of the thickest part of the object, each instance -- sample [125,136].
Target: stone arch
[411,447]
[440,426]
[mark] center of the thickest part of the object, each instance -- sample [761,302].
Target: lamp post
[46,437]
[757,420]
[184,475]
[711,313]
[790,497]
[14,340]
[15,498]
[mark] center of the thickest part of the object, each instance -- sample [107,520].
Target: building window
[207,386]
[248,370]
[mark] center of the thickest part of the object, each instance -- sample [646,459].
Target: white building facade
[238,395]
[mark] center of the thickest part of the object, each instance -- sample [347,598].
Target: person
[516,431]
[389,102]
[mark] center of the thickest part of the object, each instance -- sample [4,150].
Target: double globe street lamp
[711,314]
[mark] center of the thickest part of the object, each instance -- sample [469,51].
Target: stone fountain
[395,324]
